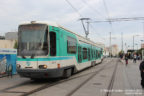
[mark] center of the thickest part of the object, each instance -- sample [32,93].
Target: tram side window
[96,54]
[84,53]
[71,45]
[52,43]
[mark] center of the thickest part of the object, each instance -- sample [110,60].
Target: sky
[13,12]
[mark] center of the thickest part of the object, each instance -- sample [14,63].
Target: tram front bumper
[41,73]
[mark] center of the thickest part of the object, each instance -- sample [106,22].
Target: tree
[16,45]
[140,51]
[121,53]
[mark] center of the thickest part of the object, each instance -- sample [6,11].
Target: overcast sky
[13,12]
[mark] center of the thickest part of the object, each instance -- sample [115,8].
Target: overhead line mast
[82,19]
[85,29]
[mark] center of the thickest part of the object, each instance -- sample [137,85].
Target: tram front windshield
[33,40]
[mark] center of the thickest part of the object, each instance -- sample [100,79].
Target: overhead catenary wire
[106,9]
[78,13]
[109,20]
[93,9]
[99,35]
[74,8]
[119,19]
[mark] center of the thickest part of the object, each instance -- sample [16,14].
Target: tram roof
[80,38]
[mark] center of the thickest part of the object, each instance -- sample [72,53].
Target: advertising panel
[8,61]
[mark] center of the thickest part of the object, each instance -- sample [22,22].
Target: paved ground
[132,79]
[126,82]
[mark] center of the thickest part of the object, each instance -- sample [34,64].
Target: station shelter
[7,61]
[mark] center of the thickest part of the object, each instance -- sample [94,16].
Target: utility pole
[122,40]
[143,28]
[85,29]
[133,42]
[110,46]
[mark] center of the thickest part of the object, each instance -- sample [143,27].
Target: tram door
[79,54]
[52,43]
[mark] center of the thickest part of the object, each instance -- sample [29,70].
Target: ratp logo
[28,63]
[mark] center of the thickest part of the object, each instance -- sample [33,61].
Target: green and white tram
[47,50]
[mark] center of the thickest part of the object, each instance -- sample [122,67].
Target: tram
[48,50]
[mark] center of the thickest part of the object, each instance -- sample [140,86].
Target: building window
[84,53]
[71,45]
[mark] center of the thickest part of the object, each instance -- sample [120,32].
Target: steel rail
[110,86]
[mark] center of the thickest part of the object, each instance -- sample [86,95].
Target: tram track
[50,84]
[110,86]
[95,73]
[74,90]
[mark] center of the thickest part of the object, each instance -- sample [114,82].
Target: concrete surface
[126,82]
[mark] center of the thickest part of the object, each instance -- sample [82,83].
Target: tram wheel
[67,73]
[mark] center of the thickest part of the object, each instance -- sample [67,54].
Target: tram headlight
[43,66]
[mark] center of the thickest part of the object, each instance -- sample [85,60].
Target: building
[142,45]
[2,37]
[106,51]
[7,44]
[9,40]
[11,36]
[113,50]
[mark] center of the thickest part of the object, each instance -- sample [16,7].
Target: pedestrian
[134,58]
[141,67]
[126,59]
[121,56]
